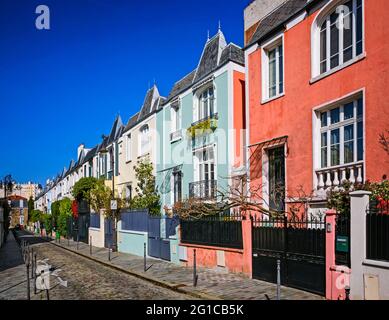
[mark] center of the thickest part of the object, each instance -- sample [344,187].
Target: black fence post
[278,279]
[144,258]
[195,276]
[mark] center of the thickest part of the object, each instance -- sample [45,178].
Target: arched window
[337,35]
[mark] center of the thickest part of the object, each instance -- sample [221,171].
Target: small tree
[30,207]
[83,187]
[146,195]
[65,212]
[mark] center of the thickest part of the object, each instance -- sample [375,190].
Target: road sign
[114,205]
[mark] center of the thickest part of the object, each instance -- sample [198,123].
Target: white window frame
[175,116]
[265,50]
[144,140]
[128,147]
[341,125]
[200,161]
[199,104]
[324,15]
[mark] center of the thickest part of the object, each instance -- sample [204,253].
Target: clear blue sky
[62,87]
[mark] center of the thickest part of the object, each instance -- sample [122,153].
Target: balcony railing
[212,117]
[334,177]
[176,136]
[203,190]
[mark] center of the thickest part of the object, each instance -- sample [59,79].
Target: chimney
[80,148]
[254,13]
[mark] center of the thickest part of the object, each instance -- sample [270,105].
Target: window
[175,118]
[129,192]
[276,178]
[341,35]
[144,140]
[128,148]
[206,104]
[273,70]
[206,168]
[177,186]
[342,134]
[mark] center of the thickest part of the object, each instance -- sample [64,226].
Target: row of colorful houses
[299,110]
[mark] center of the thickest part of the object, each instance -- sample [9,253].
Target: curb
[160,283]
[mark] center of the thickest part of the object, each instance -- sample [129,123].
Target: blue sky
[64,86]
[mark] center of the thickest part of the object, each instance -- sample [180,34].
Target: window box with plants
[204,126]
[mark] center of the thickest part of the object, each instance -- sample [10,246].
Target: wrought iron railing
[204,190]
[214,116]
[377,231]
[223,230]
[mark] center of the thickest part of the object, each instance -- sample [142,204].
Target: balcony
[203,190]
[334,177]
[203,126]
[176,136]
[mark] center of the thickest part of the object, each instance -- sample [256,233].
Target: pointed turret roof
[216,53]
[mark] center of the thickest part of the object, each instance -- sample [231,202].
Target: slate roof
[150,103]
[210,58]
[182,85]
[277,18]
[116,130]
[232,53]
[215,54]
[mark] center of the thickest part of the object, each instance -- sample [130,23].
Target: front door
[277,178]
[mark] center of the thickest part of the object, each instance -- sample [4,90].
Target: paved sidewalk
[12,271]
[212,284]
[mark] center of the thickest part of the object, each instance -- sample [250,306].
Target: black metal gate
[108,232]
[78,228]
[342,239]
[300,246]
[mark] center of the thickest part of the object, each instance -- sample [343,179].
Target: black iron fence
[204,190]
[377,231]
[219,231]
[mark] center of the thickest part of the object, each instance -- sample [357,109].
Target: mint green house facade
[205,103]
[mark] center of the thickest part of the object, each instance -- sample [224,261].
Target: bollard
[35,274]
[109,253]
[90,245]
[78,238]
[144,258]
[68,242]
[32,262]
[195,276]
[28,278]
[278,279]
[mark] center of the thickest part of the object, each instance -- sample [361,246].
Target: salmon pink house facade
[316,73]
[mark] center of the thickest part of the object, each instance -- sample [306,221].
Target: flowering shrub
[340,199]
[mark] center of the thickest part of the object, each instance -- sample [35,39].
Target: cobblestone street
[87,280]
